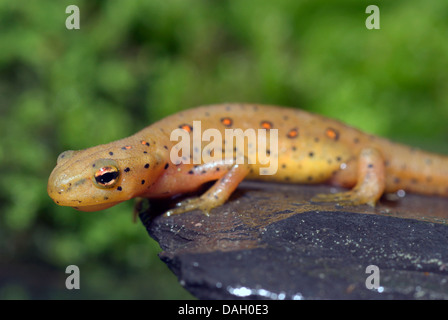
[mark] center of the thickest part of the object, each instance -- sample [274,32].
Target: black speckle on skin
[111,153]
[119,188]
[147,166]
[143,181]
[127,169]
[311,154]
[166,166]
[370,165]
[190,172]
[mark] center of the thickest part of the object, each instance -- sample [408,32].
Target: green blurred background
[133,62]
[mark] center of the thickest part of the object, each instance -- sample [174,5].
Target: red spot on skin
[186,127]
[293,133]
[266,125]
[227,121]
[332,133]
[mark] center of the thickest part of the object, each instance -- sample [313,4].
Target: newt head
[101,177]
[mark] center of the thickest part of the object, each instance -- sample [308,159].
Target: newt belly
[298,147]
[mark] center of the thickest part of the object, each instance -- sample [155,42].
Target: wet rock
[270,242]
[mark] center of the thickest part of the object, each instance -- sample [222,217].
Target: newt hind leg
[370,185]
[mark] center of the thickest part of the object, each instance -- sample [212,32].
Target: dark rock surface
[270,242]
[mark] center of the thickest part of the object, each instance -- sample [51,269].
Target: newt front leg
[217,194]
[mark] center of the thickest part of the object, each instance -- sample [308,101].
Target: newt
[309,149]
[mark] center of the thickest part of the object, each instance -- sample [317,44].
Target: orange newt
[309,149]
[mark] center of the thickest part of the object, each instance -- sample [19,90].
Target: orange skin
[311,149]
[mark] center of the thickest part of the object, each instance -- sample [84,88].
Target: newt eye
[107,176]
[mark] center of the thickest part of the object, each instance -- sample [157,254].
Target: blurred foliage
[133,62]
